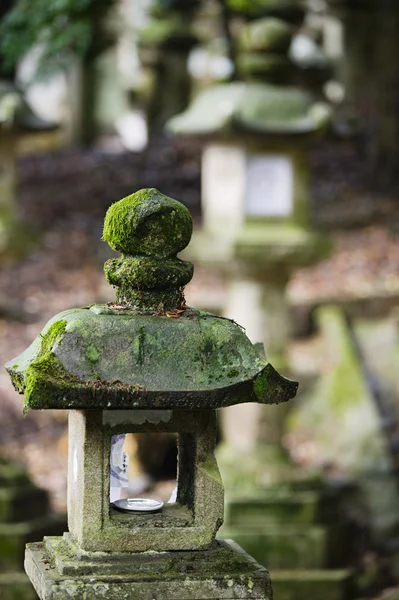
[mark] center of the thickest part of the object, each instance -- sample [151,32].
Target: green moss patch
[148,223]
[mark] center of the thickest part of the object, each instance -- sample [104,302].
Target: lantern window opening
[143,465]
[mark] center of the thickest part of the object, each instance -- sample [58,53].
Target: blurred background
[276,122]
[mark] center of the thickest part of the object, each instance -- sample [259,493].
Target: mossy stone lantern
[146,363]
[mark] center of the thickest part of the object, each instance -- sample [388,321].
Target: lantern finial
[149,229]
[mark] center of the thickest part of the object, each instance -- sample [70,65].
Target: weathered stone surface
[149,228]
[224,572]
[251,107]
[273,68]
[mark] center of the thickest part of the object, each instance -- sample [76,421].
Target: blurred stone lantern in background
[256,231]
[255,197]
[146,363]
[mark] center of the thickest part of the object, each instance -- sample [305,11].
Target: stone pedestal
[59,570]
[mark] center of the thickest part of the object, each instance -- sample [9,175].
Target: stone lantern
[146,363]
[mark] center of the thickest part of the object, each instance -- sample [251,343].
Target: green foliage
[65,30]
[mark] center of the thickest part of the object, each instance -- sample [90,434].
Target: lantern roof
[251,108]
[147,350]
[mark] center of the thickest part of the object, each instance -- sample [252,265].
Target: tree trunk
[371,77]
[82,101]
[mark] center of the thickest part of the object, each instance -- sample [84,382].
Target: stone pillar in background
[145,363]
[16,120]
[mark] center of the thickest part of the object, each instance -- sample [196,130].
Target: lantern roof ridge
[147,350]
[251,108]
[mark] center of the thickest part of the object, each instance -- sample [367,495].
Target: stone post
[145,363]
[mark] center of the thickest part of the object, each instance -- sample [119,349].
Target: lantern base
[59,570]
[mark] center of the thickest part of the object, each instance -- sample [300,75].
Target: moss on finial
[148,223]
[149,229]
[267,35]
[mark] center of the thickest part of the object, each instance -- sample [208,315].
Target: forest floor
[65,196]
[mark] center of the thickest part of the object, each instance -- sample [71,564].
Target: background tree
[370,75]
[66,31]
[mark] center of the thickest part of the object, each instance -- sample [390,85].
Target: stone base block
[311,585]
[59,570]
[16,586]
[283,546]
